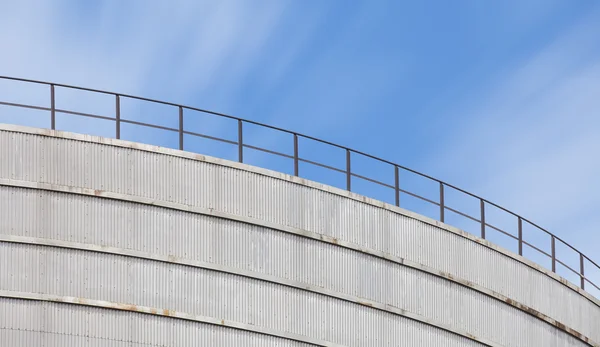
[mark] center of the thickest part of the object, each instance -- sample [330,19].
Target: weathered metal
[172,259]
[368,232]
[241,145]
[345,220]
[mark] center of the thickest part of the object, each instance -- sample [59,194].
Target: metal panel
[219,295]
[27,323]
[230,190]
[349,174]
[181,288]
[162,177]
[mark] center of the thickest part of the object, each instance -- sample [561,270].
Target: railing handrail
[297,159]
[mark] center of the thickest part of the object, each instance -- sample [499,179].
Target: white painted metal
[257,250]
[182,288]
[37,323]
[239,245]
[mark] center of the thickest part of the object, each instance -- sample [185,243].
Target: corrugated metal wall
[31,323]
[263,276]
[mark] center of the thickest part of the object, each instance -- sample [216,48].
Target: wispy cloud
[525,139]
[529,142]
[185,53]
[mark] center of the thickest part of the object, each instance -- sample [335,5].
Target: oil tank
[105,242]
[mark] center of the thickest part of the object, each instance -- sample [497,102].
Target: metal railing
[349,174]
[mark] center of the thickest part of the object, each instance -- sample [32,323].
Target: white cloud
[176,52]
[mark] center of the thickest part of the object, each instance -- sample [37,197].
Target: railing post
[117,116]
[581,270]
[180,128]
[520,236]
[553,252]
[348,172]
[295,155]
[240,142]
[52,108]
[482,207]
[397,184]
[442,208]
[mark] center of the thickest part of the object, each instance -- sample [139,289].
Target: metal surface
[581,271]
[60,321]
[222,188]
[117,117]
[296,163]
[240,141]
[348,171]
[442,209]
[258,304]
[397,185]
[553,250]
[482,216]
[520,237]
[55,256]
[52,108]
[145,176]
[180,128]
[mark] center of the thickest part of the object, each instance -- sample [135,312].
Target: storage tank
[106,242]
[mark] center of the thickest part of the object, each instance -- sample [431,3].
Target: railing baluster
[482,208]
[442,208]
[553,243]
[397,184]
[52,108]
[348,172]
[520,236]
[240,142]
[180,128]
[581,259]
[118,116]
[296,155]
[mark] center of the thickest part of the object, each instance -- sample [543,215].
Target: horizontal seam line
[368,303]
[333,241]
[154,311]
[290,179]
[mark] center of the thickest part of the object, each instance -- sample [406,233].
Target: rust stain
[153,311]
[97,192]
[553,322]
[167,312]
[472,337]
[365,303]
[128,307]
[334,240]
[222,322]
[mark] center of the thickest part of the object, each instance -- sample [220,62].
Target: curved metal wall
[111,243]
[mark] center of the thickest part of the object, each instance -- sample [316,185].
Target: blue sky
[499,98]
